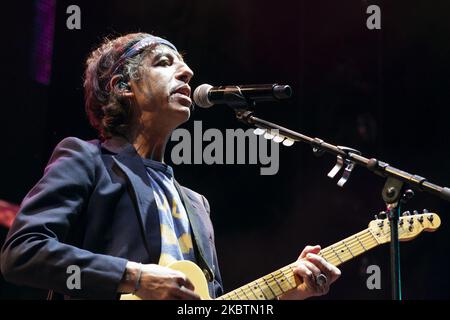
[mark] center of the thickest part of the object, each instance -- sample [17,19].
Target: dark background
[384,92]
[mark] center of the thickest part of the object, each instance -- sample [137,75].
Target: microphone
[206,96]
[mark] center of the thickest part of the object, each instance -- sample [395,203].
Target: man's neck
[150,136]
[151,145]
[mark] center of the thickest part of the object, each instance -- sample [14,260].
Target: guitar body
[192,272]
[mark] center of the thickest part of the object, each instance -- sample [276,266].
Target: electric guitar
[282,280]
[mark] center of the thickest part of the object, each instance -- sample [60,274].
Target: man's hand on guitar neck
[309,267]
[154,282]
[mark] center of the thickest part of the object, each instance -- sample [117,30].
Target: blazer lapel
[142,196]
[201,238]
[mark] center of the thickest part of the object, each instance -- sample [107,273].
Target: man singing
[112,207]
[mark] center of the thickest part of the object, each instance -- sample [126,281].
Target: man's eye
[163,63]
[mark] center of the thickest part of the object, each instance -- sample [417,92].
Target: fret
[225,297]
[373,237]
[356,247]
[287,278]
[249,286]
[370,240]
[331,247]
[322,254]
[233,295]
[270,288]
[359,245]
[283,281]
[348,249]
[262,291]
[344,252]
[257,291]
[277,285]
[357,238]
[243,291]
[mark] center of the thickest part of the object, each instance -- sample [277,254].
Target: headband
[138,47]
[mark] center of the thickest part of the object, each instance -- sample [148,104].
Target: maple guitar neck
[283,280]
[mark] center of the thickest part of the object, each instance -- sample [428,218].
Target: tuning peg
[425,211]
[406,213]
[376,217]
[383,215]
[415,212]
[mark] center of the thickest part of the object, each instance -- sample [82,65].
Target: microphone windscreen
[201,96]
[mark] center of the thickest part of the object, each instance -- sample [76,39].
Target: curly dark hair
[107,110]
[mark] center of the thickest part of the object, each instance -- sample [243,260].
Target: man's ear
[123,88]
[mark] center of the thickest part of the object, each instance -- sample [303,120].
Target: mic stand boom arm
[351,155]
[394,194]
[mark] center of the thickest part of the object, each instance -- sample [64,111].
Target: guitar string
[287,271]
[359,239]
[342,244]
[343,247]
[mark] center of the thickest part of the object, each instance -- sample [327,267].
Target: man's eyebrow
[161,54]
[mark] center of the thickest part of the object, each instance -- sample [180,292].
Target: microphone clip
[341,162]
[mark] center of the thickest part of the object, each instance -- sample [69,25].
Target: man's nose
[184,73]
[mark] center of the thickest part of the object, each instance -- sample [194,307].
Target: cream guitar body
[283,280]
[192,272]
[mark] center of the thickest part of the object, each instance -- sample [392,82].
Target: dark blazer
[94,208]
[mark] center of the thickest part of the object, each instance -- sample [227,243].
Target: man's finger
[331,271]
[183,281]
[304,273]
[184,293]
[309,279]
[309,249]
[311,266]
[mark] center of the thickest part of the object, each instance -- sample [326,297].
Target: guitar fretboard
[276,283]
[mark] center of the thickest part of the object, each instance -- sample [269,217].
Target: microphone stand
[394,194]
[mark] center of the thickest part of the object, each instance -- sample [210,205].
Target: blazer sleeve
[217,284]
[34,253]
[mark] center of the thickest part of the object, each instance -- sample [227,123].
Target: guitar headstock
[409,226]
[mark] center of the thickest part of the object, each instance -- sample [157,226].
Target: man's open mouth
[183,95]
[183,90]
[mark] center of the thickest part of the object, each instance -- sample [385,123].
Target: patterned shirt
[176,240]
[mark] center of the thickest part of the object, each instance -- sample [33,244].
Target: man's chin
[184,109]
[182,113]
